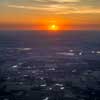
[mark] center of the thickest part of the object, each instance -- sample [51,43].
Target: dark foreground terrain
[37,65]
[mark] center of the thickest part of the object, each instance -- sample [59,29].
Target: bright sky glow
[28,12]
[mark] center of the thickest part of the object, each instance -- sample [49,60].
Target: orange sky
[39,14]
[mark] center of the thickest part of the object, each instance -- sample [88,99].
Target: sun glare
[53,27]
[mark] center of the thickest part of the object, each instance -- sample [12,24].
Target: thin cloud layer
[60,6]
[71,11]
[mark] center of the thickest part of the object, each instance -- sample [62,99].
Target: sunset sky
[37,14]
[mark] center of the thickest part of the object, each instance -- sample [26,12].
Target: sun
[53,27]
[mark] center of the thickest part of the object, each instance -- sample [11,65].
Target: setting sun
[53,27]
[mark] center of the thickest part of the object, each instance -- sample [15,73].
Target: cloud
[48,8]
[58,9]
[66,1]
[90,11]
[93,3]
[22,7]
[41,2]
[48,2]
